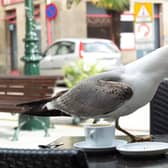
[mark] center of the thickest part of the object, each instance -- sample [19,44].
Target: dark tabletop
[113,159]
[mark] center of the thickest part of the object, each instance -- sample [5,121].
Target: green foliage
[116,5]
[77,1]
[74,73]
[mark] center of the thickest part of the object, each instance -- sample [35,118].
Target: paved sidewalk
[31,139]
[137,123]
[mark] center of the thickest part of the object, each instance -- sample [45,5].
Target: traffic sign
[144,35]
[143,12]
[144,29]
[51,11]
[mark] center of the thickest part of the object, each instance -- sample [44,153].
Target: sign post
[51,14]
[144,33]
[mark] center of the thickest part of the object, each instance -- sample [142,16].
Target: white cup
[99,134]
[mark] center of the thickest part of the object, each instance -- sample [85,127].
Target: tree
[114,8]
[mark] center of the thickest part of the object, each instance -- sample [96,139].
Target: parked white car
[104,53]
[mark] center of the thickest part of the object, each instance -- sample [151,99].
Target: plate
[84,145]
[143,148]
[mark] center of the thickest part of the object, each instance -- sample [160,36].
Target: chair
[42,158]
[159,110]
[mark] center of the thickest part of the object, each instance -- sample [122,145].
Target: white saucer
[143,148]
[88,147]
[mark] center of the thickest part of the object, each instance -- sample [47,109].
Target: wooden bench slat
[12,82]
[13,97]
[31,89]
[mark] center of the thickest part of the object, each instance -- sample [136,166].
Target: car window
[100,47]
[61,48]
[52,50]
[65,48]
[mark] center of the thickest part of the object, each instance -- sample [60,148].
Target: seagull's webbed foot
[141,138]
[133,137]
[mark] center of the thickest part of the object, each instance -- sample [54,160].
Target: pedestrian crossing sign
[143,12]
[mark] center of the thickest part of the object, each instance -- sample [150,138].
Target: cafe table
[112,158]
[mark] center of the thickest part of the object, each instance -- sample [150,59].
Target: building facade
[83,20]
[68,23]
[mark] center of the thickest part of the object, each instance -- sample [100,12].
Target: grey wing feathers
[94,98]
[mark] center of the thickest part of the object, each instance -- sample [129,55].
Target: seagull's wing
[94,98]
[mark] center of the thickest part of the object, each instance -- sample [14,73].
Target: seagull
[109,95]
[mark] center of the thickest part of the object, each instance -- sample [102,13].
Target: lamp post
[31,66]
[32,53]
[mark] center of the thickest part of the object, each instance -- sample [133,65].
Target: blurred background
[142,27]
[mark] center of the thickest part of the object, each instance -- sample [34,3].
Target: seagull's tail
[44,113]
[39,108]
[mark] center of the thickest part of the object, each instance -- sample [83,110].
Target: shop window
[127,26]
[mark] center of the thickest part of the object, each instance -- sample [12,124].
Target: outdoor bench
[18,89]
[15,90]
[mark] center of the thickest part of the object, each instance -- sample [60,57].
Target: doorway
[13,47]
[12,29]
[157,9]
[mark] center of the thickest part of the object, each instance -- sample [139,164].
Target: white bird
[112,94]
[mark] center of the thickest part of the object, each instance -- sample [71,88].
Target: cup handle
[92,134]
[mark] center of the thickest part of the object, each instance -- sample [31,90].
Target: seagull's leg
[122,130]
[132,137]
[96,120]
